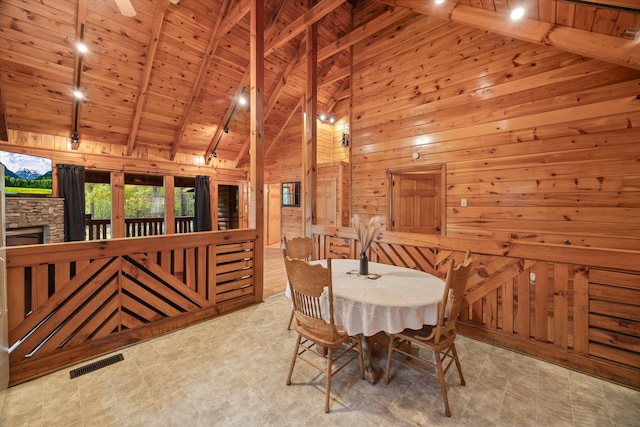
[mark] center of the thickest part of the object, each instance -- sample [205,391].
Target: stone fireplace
[33,220]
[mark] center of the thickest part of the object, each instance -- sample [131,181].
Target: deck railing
[70,302]
[574,306]
[100,229]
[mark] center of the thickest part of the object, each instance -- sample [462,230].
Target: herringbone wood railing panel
[113,288]
[574,306]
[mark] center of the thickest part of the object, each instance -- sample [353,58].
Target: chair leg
[389,356]
[455,358]
[360,357]
[293,358]
[328,379]
[443,385]
[290,320]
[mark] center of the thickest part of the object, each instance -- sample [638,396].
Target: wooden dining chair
[300,248]
[320,342]
[440,339]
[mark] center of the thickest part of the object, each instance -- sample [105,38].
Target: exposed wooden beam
[214,39]
[282,81]
[293,112]
[361,33]
[615,50]
[4,132]
[234,16]
[384,20]
[158,18]
[277,13]
[341,92]
[310,17]
[340,74]
[626,4]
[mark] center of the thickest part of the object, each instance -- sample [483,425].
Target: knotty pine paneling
[283,162]
[112,157]
[543,144]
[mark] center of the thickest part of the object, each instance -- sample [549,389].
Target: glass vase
[364,264]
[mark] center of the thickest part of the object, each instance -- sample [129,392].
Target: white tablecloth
[400,298]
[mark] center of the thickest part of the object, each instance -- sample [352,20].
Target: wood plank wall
[283,161]
[112,157]
[577,307]
[543,144]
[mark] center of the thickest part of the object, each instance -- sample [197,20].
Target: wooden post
[256,181]
[213,203]
[309,159]
[169,205]
[117,204]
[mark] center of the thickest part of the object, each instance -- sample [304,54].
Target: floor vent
[96,365]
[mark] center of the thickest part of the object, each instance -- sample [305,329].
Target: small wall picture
[25,174]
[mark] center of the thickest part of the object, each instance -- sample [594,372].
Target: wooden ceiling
[169,77]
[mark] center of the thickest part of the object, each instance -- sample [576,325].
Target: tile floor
[231,371]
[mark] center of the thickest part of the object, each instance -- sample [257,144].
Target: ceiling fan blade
[126,8]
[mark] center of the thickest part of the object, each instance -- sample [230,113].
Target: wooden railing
[574,306]
[100,229]
[70,302]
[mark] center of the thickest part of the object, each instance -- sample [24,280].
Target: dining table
[389,299]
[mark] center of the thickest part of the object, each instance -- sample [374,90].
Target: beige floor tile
[231,371]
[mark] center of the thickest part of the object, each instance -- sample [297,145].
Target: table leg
[371,372]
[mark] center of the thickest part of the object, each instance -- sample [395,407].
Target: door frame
[417,170]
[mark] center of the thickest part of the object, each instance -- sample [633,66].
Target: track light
[517,13]
[75,141]
[632,33]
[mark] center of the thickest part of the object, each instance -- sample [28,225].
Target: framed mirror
[291,194]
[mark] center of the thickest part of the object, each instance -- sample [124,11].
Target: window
[291,194]
[184,204]
[143,205]
[97,196]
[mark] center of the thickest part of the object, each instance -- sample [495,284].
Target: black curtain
[71,187]
[202,216]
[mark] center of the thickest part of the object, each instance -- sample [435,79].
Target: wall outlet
[463,202]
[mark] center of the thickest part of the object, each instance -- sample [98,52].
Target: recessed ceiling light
[82,47]
[78,94]
[242,100]
[517,13]
[439,1]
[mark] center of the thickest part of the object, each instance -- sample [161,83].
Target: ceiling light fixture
[517,13]
[632,33]
[82,48]
[225,129]
[77,93]
[439,1]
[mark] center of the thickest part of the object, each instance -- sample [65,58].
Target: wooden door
[417,202]
[326,212]
[272,214]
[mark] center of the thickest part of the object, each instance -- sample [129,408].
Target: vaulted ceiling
[169,77]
